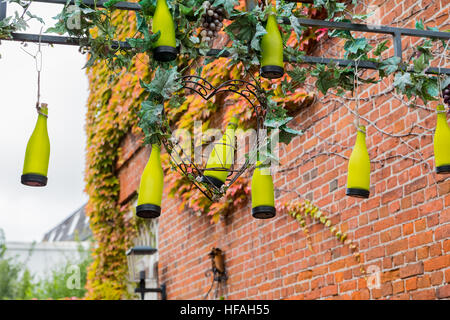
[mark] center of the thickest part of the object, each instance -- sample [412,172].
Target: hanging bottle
[358,176]
[165,47]
[37,154]
[272,65]
[151,186]
[441,142]
[263,198]
[221,157]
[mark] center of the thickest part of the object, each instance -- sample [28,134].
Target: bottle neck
[42,120]
[156,149]
[361,138]
[162,3]
[442,117]
[271,22]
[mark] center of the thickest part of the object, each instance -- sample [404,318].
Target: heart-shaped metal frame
[254,96]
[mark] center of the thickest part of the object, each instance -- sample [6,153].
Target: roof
[75,227]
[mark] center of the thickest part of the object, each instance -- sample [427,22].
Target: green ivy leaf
[390,65]
[256,41]
[298,29]
[420,65]
[445,82]
[148,7]
[420,25]
[381,48]
[357,48]
[164,83]
[287,134]
[227,4]
[276,122]
[402,80]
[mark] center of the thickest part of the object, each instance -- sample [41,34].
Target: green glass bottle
[165,47]
[272,65]
[263,198]
[221,157]
[151,186]
[441,142]
[358,176]
[37,154]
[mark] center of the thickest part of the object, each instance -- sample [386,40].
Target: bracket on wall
[143,290]
[218,265]
[218,269]
[396,33]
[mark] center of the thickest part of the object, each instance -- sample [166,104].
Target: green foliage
[17,283]
[58,283]
[163,87]
[9,273]
[17,22]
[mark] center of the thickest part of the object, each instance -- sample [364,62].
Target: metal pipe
[100,4]
[25,37]
[2,10]
[397,34]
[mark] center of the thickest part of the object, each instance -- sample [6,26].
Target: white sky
[26,213]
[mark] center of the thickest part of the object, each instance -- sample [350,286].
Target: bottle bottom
[263,212]
[148,211]
[165,53]
[213,181]
[357,193]
[443,169]
[272,72]
[33,180]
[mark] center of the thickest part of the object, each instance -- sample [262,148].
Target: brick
[416,185]
[428,294]
[411,284]
[436,263]
[304,275]
[392,195]
[443,292]
[420,239]
[347,286]
[422,253]
[423,282]
[446,245]
[442,232]
[397,246]
[437,278]
[411,270]
[329,290]
[398,287]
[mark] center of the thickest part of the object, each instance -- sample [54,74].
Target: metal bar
[211,53]
[341,62]
[2,10]
[398,45]
[28,37]
[100,4]
[372,28]
[145,290]
[304,22]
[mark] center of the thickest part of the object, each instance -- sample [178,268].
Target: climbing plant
[304,210]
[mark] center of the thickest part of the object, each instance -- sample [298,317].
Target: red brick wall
[403,228]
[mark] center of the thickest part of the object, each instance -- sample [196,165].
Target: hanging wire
[38,63]
[439,75]
[38,60]
[356,89]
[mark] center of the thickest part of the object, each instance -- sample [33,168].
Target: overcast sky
[26,213]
